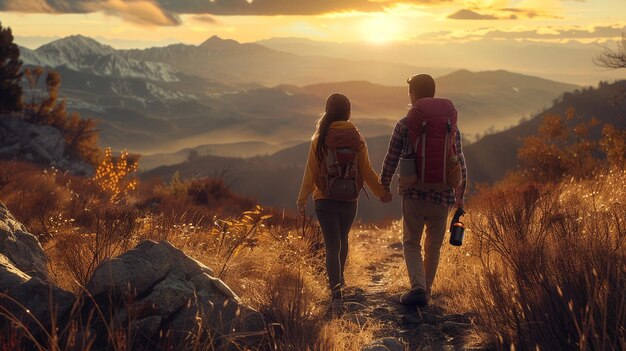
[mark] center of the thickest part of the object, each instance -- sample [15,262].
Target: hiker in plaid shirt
[421,208]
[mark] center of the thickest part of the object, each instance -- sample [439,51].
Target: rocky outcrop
[21,248]
[161,291]
[25,292]
[153,295]
[39,144]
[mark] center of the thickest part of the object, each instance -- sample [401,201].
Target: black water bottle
[457,228]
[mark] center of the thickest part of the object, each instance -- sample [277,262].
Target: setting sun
[381,29]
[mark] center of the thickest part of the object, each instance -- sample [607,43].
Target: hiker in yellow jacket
[337,167]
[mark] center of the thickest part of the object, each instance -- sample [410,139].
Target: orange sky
[376,21]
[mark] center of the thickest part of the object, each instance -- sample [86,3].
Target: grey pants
[417,214]
[335,218]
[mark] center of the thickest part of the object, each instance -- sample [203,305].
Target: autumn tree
[613,144]
[80,134]
[563,147]
[10,73]
[116,175]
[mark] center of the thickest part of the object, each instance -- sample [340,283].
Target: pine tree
[10,73]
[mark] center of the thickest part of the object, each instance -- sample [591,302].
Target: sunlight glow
[381,29]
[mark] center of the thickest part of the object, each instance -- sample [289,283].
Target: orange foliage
[560,149]
[114,174]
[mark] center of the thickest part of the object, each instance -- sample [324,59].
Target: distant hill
[494,155]
[275,179]
[570,61]
[232,62]
[483,99]
[243,149]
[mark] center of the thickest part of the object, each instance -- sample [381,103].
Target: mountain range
[163,100]
[568,61]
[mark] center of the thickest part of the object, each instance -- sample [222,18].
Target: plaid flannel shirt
[397,151]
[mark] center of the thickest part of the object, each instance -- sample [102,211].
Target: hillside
[492,156]
[487,99]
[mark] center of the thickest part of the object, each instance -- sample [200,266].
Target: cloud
[465,14]
[207,19]
[284,7]
[166,12]
[599,32]
[136,11]
[500,14]
[545,33]
[140,12]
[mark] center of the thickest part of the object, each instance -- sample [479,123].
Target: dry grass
[554,265]
[541,265]
[275,264]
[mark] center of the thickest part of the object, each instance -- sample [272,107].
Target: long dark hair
[337,109]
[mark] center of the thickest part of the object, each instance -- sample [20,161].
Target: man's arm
[460,191]
[396,144]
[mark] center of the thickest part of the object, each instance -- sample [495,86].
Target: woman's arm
[369,175]
[311,172]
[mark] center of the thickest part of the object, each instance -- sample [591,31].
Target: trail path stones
[404,328]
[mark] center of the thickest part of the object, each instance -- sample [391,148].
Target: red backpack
[432,125]
[339,178]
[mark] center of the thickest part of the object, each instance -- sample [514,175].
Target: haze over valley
[164,100]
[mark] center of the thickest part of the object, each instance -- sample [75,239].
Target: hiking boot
[415,296]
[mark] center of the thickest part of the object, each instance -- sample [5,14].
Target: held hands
[460,203]
[386,198]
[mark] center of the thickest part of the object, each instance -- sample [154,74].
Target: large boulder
[40,144]
[25,291]
[158,290]
[20,247]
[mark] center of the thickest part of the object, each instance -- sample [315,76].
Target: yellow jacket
[313,165]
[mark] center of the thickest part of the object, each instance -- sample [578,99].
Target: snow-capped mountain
[84,54]
[74,51]
[122,67]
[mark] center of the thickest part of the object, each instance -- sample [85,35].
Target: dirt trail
[428,328]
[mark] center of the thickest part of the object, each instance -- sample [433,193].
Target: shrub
[553,260]
[114,175]
[560,149]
